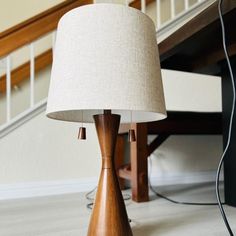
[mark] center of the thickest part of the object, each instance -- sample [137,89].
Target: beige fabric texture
[106,57]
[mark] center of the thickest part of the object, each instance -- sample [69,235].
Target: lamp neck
[107,112]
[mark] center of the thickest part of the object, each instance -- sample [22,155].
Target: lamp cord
[230,123]
[126,197]
[172,200]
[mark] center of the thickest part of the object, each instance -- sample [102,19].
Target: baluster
[186,5]
[158,9]
[54,35]
[32,74]
[172,7]
[143,6]
[8,85]
[126,3]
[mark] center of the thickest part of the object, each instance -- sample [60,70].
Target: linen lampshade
[106,57]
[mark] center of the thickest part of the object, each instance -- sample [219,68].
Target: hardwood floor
[67,215]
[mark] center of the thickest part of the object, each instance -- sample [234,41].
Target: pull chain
[131,134]
[82,129]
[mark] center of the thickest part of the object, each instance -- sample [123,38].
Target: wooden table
[195,47]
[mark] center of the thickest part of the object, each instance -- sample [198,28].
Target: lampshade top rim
[92,5]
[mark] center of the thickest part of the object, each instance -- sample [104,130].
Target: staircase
[33,39]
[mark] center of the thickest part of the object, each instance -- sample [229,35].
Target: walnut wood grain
[125,172]
[119,157]
[139,165]
[137,3]
[109,217]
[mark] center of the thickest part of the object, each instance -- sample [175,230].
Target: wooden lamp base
[109,217]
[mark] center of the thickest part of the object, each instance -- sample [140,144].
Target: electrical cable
[230,123]
[90,205]
[126,197]
[89,193]
[180,202]
[175,201]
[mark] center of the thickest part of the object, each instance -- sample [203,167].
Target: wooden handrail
[39,25]
[137,3]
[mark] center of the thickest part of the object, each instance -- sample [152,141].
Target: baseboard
[48,188]
[188,178]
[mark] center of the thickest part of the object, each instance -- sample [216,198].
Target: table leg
[139,164]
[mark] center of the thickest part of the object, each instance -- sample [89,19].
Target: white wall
[46,150]
[13,12]
[192,92]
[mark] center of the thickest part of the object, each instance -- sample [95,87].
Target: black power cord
[180,202]
[231,120]
[126,197]
[175,201]
[90,205]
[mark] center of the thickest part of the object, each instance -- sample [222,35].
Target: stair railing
[26,34]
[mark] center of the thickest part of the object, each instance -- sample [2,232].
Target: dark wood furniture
[195,47]
[177,123]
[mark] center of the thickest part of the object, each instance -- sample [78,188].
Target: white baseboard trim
[49,188]
[188,178]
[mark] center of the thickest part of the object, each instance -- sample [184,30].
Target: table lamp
[106,69]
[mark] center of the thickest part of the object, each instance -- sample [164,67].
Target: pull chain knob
[82,133]
[131,136]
